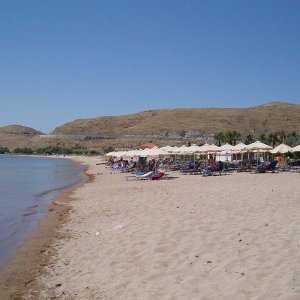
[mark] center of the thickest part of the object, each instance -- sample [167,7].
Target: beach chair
[146,176]
[271,167]
[266,167]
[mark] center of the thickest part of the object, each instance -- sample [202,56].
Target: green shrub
[24,150]
[4,150]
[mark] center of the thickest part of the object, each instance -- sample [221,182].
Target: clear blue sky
[63,60]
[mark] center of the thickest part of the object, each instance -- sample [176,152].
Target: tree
[4,150]
[24,150]
[235,136]
[231,137]
[272,139]
[292,139]
[219,137]
[249,139]
[263,138]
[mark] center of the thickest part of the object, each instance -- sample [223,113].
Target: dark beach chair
[266,167]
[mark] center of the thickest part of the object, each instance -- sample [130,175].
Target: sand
[189,237]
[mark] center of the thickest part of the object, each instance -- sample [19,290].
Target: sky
[62,60]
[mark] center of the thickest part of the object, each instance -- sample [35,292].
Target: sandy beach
[188,237]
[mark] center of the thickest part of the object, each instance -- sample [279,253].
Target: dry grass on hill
[162,127]
[271,117]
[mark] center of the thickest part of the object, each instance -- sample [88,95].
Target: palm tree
[228,137]
[231,137]
[249,139]
[272,139]
[219,137]
[235,136]
[263,138]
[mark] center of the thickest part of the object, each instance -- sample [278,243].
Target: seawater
[27,186]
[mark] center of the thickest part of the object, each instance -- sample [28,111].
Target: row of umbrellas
[205,149]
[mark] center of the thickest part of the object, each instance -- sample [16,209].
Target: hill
[13,136]
[174,127]
[194,122]
[19,130]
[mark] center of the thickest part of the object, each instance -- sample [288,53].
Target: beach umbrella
[257,146]
[112,153]
[153,152]
[184,150]
[115,154]
[191,150]
[240,147]
[171,150]
[209,148]
[214,149]
[227,147]
[282,148]
[132,153]
[194,149]
[296,149]
[167,148]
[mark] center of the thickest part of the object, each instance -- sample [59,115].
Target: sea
[27,187]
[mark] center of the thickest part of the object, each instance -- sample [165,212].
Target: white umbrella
[296,149]
[184,150]
[132,153]
[257,146]
[282,148]
[154,152]
[110,153]
[209,148]
[213,148]
[167,148]
[240,147]
[194,149]
[172,150]
[227,148]
[116,154]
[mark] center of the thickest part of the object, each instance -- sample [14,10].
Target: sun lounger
[271,167]
[146,176]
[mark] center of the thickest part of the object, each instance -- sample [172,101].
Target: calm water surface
[27,186]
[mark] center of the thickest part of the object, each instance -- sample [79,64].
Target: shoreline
[18,274]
